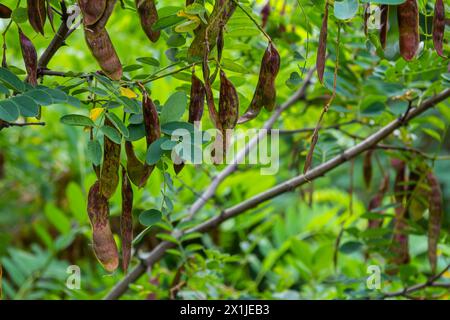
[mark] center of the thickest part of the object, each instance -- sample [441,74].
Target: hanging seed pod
[151,120]
[435,219]
[137,170]
[377,201]
[439,27]
[109,178]
[50,15]
[367,168]
[5,12]
[228,103]
[322,50]
[103,50]
[265,93]
[417,194]
[197,100]
[400,241]
[30,58]
[384,24]
[37,14]
[408,24]
[126,220]
[265,14]
[92,10]
[105,247]
[148,15]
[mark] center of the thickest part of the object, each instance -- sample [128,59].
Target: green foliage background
[283,249]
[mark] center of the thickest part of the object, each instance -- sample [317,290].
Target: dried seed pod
[265,14]
[151,120]
[417,194]
[103,50]
[439,27]
[435,219]
[384,24]
[148,15]
[137,170]
[109,178]
[197,100]
[408,24]
[30,58]
[92,10]
[265,93]
[126,220]
[105,247]
[37,14]
[400,240]
[322,50]
[366,17]
[228,103]
[5,12]
[367,168]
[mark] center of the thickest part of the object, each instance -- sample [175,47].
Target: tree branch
[284,187]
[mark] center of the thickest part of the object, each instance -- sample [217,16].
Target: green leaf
[118,124]
[150,217]
[154,152]
[77,120]
[57,218]
[149,60]
[345,9]
[166,22]
[394,2]
[174,108]
[8,111]
[27,106]
[11,80]
[19,15]
[94,152]
[40,96]
[112,134]
[350,247]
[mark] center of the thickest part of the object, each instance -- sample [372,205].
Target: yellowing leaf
[96,113]
[188,16]
[127,92]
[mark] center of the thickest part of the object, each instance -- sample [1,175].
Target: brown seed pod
[37,14]
[322,50]
[148,16]
[367,168]
[137,171]
[435,219]
[5,12]
[228,103]
[439,27]
[197,100]
[126,220]
[366,16]
[50,15]
[265,93]
[92,10]
[151,120]
[384,24]
[265,14]
[105,247]
[30,58]
[109,177]
[408,24]
[417,194]
[103,50]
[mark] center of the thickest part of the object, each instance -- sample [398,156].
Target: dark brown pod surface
[92,10]
[322,49]
[105,247]
[384,24]
[435,219]
[148,16]
[439,27]
[30,58]
[138,172]
[408,24]
[109,177]
[126,220]
[37,14]
[265,93]
[5,12]
[228,103]
[151,120]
